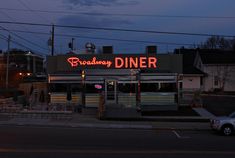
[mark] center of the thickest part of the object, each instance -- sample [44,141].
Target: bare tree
[223,75]
[217,42]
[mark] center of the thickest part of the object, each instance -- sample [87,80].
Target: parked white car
[225,124]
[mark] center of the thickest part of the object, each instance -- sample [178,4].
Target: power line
[22,26]
[31,10]
[119,29]
[118,14]
[122,40]
[102,38]
[35,44]
[19,44]
[7,15]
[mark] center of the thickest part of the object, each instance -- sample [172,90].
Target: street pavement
[61,142]
[79,120]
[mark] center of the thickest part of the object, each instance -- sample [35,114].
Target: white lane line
[179,136]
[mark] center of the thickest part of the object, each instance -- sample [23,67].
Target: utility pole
[8,51]
[52,40]
[72,44]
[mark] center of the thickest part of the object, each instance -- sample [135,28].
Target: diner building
[147,81]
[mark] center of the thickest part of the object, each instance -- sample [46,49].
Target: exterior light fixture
[83,75]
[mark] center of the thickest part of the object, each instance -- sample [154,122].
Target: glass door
[111,91]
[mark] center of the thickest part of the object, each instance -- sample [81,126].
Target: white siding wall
[230,84]
[219,71]
[208,79]
[191,82]
[216,70]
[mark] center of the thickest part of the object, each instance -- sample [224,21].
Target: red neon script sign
[75,61]
[116,62]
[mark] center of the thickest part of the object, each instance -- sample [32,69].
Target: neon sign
[98,86]
[75,61]
[135,62]
[115,62]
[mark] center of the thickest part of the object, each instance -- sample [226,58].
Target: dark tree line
[217,42]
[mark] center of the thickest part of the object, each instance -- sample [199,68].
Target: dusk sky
[186,16]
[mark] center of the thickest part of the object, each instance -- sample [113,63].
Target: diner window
[58,87]
[91,88]
[76,88]
[168,87]
[127,87]
[62,87]
[149,87]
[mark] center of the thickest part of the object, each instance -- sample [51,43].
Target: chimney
[107,49]
[151,49]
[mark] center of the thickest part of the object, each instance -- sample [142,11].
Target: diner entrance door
[110,91]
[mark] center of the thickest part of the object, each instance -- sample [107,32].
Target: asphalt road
[35,142]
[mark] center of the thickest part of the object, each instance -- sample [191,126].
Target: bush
[217,90]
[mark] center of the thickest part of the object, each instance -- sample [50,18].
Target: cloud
[103,3]
[93,21]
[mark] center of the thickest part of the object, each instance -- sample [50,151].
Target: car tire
[227,130]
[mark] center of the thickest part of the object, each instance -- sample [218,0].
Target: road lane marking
[179,136]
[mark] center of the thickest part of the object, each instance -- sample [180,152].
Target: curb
[100,126]
[182,129]
[161,119]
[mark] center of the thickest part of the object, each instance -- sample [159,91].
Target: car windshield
[232,115]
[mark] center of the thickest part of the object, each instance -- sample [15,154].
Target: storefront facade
[148,81]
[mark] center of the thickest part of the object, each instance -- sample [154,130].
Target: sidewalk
[89,121]
[204,113]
